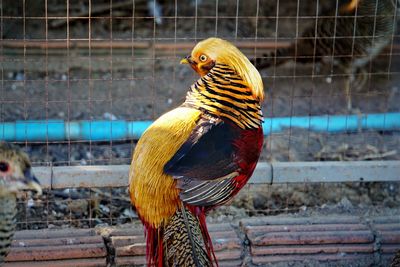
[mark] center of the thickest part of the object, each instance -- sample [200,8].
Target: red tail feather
[154,246]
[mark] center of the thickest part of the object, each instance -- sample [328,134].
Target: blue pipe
[58,130]
[335,123]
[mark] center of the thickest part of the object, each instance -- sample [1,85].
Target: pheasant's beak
[32,182]
[187,60]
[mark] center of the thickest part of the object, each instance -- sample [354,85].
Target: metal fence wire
[83,60]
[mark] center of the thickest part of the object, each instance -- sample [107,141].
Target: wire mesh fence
[119,60]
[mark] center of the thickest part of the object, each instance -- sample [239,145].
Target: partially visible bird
[198,156]
[351,35]
[15,174]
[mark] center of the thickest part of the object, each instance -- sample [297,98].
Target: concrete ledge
[265,173]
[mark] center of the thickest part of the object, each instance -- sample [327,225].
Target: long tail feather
[190,236]
[183,241]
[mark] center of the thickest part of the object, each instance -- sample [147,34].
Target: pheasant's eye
[4,167]
[203,58]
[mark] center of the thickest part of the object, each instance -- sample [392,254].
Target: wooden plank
[119,241]
[285,220]
[317,237]
[60,241]
[231,263]
[101,262]
[366,259]
[388,226]
[124,230]
[228,254]
[226,244]
[307,249]
[304,228]
[57,252]
[389,248]
[385,219]
[137,249]
[54,233]
[389,237]
[219,227]
[130,261]
[277,172]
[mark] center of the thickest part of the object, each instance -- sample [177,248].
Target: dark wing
[205,165]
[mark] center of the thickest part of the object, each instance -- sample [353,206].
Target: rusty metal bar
[117,44]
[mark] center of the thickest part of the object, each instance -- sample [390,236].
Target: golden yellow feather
[151,189]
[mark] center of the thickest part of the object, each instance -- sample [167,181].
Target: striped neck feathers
[223,93]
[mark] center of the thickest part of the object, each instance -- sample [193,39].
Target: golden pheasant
[352,36]
[198,156]
[15,174]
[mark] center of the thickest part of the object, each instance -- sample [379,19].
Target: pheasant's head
[15,171]
[212,51]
